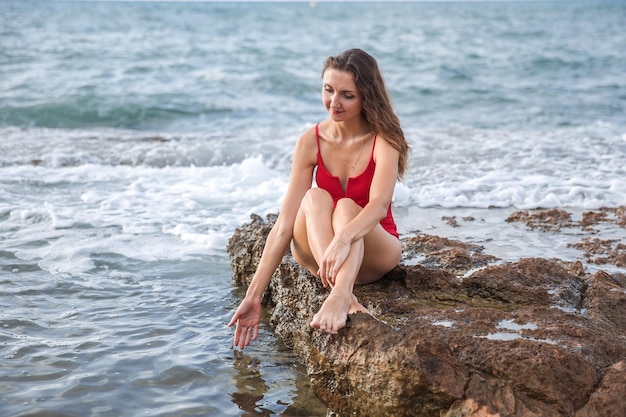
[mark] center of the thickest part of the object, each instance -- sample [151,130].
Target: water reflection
[251,387]
[252,390]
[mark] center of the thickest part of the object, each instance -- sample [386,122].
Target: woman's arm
[281,233]
[248,314]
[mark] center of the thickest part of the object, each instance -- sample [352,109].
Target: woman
[343,230]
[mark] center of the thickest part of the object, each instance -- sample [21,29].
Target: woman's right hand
[247,317]
[332,260]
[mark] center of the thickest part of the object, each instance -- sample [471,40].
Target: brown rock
[609,399]
[606,300]
[532,338]
[446,253]
[598,251]
[553,219]
[605,215]
[402,368]
[614,252]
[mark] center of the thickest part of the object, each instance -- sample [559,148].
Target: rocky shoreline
[456,332]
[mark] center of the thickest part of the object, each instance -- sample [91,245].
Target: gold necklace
[343,160]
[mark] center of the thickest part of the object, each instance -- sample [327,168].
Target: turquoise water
[136,136]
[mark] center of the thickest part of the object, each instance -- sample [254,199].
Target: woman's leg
[313,229]
[358,268]
[313,232]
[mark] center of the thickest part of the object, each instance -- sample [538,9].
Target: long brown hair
[377,108]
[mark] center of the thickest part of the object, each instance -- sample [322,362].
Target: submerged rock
[532,338]
[596,250]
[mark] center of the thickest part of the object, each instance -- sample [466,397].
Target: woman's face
[340,95]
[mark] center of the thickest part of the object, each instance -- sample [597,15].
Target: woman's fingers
[243,335]
[246,335]
[327,273]
[332,275]
[332,260]
[237,336]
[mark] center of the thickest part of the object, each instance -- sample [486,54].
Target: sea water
[136,136]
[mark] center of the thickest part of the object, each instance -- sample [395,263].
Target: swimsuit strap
[373,147]
[317,139]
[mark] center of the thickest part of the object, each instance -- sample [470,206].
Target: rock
[597,251]
[537,337]
[609,399]
[553,219]
[613,251]
[441,252]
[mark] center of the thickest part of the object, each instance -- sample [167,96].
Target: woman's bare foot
[357,307]
[334,312]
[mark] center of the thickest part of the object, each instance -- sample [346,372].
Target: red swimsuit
[358,188]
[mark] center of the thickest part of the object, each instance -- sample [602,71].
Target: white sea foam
[139,213]
[526,170]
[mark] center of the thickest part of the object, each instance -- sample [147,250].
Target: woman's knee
[316,199]
[346,209]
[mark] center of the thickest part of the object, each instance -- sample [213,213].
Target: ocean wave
[453,167]
[59,148]
[90,112]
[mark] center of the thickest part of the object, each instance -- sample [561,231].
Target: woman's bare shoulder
[383,144]
[309,133]
[306,147]
[307,139]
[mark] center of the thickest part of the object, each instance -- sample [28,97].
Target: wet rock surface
[465,335]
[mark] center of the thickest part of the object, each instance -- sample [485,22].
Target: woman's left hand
[334,257]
